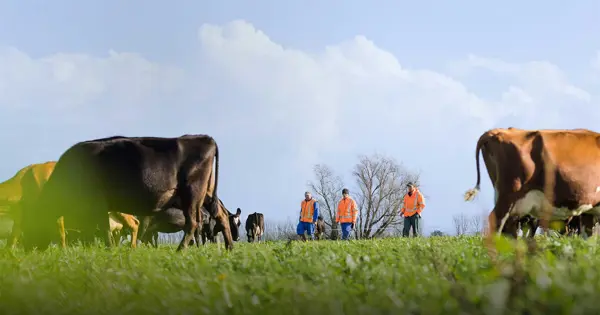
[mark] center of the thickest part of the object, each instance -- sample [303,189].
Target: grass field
[443,275]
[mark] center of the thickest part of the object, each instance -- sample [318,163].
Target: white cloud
[537,77]
[344,89]
[72,81]
[278,110]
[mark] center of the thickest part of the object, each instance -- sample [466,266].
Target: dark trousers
[414,222]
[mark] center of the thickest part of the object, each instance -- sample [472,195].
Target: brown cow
[10,189]
[121,222]
[37,175]
[517,161]
[140,175]
[10,196]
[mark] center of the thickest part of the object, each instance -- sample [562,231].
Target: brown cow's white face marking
[533,204]
[236,220]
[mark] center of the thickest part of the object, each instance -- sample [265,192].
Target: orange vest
[347,211]
[308,210]
[413,204]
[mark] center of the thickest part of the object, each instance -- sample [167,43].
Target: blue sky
[285,85]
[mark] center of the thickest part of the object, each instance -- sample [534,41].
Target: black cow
[255,226]
[208,230]
[210,227]
[574,225]
[136,175]
[173,220]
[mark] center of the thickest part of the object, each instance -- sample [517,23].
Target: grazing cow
[10,189]
[210,227]
[208,230]
[31,183]
[172,220]
[10,197]
[139,175]
[320,230]
[255,226]
[521,162]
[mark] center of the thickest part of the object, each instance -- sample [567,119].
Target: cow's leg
[203,235]
[197,236]
[198,229]
[501,210]
[149,230]
[222,225]
[586,225]
[61,231]
[143,227]
[85,225]
[190,200]
[96,220]
[192,196]
[132,224]
[104,226]
[154,239]
[533,226]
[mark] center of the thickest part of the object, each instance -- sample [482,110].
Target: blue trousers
[307,227]
[346,230]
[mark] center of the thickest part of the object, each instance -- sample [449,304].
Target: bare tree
[381,185]
[327,189]
[461,223]
[279,230]
[477,223]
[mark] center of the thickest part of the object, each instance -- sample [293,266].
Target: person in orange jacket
[309,213]
[412,206]
[347,213]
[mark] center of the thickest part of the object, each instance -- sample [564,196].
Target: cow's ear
[238,212]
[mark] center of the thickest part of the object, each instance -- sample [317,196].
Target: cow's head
[234,224]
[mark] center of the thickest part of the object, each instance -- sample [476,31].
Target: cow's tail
[215,198]
[471,193]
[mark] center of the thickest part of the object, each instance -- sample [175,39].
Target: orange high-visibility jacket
[413,204]
[347,211]
[307,210]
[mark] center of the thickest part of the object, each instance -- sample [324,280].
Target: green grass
[445,275]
